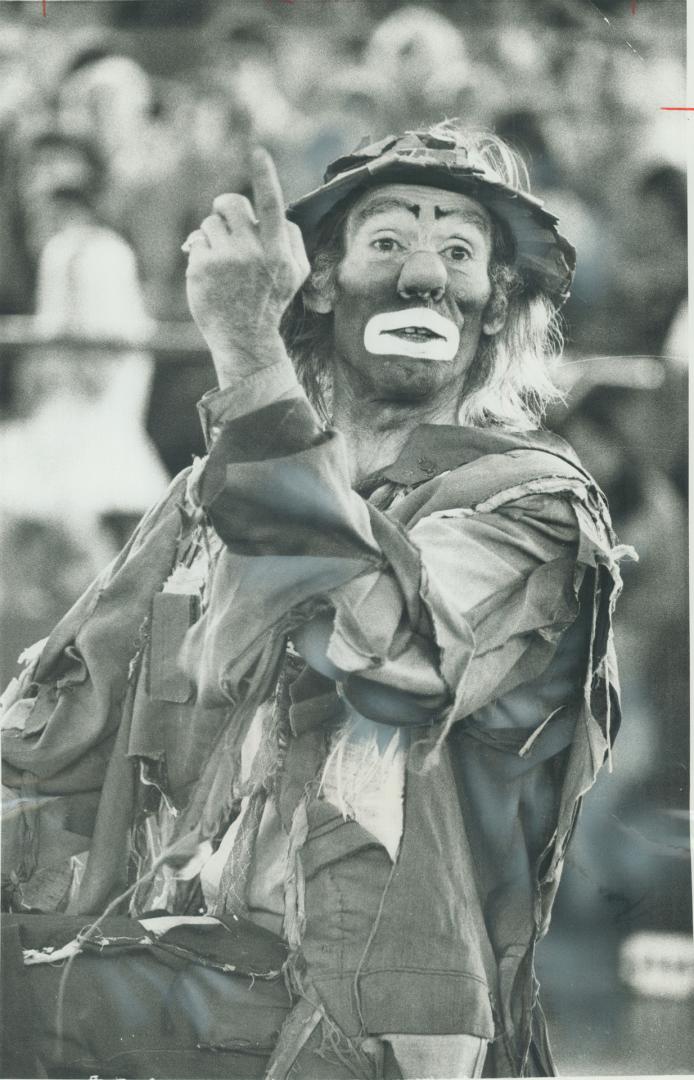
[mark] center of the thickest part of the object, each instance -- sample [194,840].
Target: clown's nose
[423,276]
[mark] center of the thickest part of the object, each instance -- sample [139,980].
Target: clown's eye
[458,253]
[386,244]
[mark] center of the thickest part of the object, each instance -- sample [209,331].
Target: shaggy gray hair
[509,382]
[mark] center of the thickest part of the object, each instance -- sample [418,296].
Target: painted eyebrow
[390,202]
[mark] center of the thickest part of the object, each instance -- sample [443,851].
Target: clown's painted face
[412,292]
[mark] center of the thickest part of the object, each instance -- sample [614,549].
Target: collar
[432,449]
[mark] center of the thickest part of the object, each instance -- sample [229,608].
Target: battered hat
[437,159]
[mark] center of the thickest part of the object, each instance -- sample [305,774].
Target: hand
[242,274]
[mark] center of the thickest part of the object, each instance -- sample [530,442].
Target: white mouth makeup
[417,332]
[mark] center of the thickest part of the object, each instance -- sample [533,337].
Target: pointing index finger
[268,199]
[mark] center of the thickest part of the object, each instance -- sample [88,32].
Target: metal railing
[178,340]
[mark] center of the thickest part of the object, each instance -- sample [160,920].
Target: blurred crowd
[120,122]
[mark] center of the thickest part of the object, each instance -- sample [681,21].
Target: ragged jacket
[484,584]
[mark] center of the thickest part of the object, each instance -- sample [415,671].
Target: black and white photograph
[344,571]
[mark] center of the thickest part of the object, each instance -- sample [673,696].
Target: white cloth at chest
[363,777]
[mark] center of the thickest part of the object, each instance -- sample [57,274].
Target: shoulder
[505,468]
[497,479]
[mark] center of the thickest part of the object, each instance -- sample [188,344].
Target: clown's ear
[494,318]
[319,287]
[316,298]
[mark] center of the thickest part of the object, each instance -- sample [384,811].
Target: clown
[332,711]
